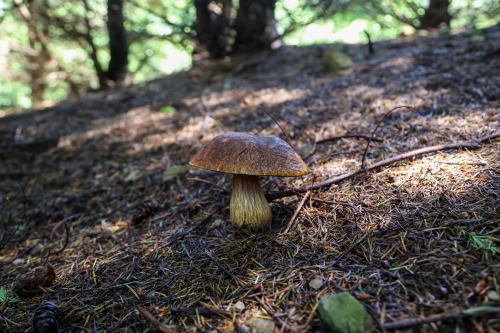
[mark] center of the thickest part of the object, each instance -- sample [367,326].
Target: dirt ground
[99,189]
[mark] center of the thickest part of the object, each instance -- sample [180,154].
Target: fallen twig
[225,190]
[175,237]
[228,273]
[291,224]
[281,128]
[201,310]
[473,144]
[343,254]
[271,312]
[336,203]
[156,323]
[375,130]
[345,136]
[410,322]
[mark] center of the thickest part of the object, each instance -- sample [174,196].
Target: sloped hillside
[99,189]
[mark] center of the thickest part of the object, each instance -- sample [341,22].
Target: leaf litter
[84,190]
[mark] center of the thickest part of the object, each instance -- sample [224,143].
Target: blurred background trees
[54,49]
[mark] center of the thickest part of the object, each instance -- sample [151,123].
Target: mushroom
[247,157]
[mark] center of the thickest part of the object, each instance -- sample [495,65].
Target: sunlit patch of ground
[414,239]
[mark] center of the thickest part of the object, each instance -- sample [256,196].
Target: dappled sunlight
[114,194]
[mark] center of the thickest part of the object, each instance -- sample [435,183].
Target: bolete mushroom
[247,157]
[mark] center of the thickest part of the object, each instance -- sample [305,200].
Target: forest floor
[99,189]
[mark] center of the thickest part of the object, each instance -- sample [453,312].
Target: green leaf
[344,314]
[167,109]
[479,308]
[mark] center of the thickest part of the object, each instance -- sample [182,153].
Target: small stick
[65,243]
[349,250]
[311,153]
[271,312]
[225,190]
[473,144]
[200,310]
[72,291]
[281,128]
[175,237]
[358,136]
[371,50]
[410,322]
[228,273]
[3,306]
[156,323]
[337,203]
[376,128]
[58,224]
[297,210]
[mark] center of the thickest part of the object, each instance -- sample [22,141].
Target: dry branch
[228,273]
[181,234]
[291,224]
[473,144]
[201,311]
[357,136]
[154,321]
[346,204]
[410,322]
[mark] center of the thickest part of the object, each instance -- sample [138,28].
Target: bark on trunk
[118,47]
[212,26]
[256,26]
[436,14]
[39,56]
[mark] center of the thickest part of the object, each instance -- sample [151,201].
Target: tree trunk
[436,14]
[256,26]
[118,47]
[39,56]
[212,26]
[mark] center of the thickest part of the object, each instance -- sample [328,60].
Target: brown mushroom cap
[241,153]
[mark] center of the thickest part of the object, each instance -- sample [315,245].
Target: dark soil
[99,189]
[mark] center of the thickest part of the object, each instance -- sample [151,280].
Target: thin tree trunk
[256,26]
[39,57]
[212,26]
[118,47]
[436,14]
[101,74]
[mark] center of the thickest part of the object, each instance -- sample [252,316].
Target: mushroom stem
[249,207]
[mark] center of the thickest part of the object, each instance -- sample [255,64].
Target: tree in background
[413,13]
[213,26]
[67,47]
[39,56]
[255,26]
[41,61]
[118,45]
[436,14]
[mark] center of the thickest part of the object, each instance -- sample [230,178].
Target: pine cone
[40,277]
[47,318]
[144,211]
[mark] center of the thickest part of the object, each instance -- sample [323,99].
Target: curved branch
[473,144]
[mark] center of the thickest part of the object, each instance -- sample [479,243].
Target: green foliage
[167,109]
[481,243]
[6,292]
[160,36]
[474,14]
